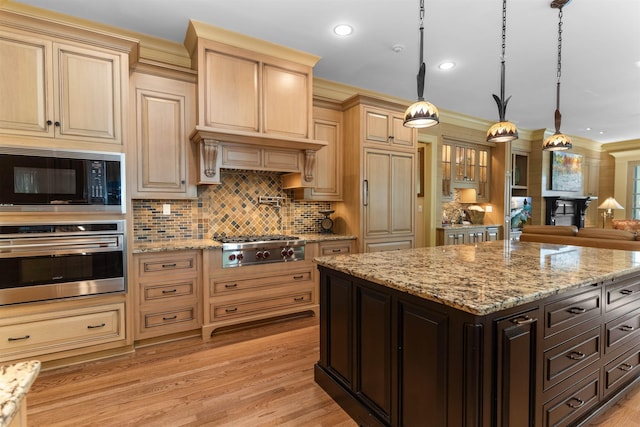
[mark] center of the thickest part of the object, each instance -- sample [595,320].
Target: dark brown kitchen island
[496,334]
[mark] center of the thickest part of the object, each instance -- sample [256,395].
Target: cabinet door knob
[57,124]
[49,122]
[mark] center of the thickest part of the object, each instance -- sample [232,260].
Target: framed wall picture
[566,171]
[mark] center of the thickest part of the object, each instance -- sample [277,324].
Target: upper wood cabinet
[327,126]
[163,162]
[53,88]
[465,165]
[386,127]
[248,91]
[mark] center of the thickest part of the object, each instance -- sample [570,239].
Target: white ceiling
[600,50]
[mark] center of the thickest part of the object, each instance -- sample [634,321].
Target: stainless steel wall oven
[48,261]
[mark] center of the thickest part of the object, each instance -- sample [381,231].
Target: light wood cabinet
[240,295]
[386,127]
[167,293]
[163,163]
[51,330]
[379,176]
[253,92]
[465,165]
[519,173]
[336,247]
[327,126]
[57,89]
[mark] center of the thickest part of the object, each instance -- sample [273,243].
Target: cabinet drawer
[568,358]
[65,330]
[177,262]
[335,248]
[178,288]
[223,286]
[241,156]
[254,306]
[620,370]
[622,331]
[281,160]
[567,313]
[622,292]
[186,314]
[573,402]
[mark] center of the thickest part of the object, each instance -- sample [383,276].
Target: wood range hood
[255,103]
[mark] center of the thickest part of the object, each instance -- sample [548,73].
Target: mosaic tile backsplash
[231,208]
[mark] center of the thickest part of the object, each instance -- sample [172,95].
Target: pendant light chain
[421,34]
[504,28]
[559,69]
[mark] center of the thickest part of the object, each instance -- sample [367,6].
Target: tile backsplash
[231,208]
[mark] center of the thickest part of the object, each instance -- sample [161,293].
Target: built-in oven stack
[48,261]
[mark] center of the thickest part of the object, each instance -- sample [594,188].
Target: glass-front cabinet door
[465,164]
[482,192]
[447,191]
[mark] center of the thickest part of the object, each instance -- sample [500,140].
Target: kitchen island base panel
[485,370]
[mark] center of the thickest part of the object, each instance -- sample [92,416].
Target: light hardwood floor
[261,376]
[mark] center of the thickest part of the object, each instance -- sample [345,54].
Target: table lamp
[609,205]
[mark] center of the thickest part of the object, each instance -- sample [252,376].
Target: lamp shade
[421,114]
[502,132]
[610,203]
[556,142]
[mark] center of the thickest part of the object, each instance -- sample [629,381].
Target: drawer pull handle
[335,251]
[298,299]
[26,337]
[174,317]
[627,292]
[169,265]
[172,291]
[577,310]
[101,325]
[626,328]
[299,276]
[231,310]
[523,320]
[626,367]
[231,285]
[575,405]
[577,355]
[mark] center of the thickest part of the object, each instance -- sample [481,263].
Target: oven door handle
[62,245]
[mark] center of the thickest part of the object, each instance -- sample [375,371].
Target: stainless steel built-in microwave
[57,180]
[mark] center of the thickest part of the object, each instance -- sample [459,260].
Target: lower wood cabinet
[239,295]
[167,293]
[54,331]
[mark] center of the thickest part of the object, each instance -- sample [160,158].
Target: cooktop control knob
[290,252]
[232,257]
[283,253]
[240,256]
[266,254]
[259,255]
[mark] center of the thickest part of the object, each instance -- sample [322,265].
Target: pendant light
[558,141]
[421,114]
[503,131]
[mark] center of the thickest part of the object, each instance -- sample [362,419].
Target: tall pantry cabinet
[379,175]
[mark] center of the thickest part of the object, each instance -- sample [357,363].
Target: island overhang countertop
[488,277]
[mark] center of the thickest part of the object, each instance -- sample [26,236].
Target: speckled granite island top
[15,382]
[489,277]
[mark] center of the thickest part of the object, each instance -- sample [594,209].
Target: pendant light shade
[558,141]
[421,114]
[503,131]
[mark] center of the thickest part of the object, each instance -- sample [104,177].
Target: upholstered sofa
[571,235]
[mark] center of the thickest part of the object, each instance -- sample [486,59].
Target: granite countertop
[191,244]
[487,277]
[15,382]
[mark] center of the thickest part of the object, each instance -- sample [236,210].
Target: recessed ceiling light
[588,129]
[447,65]
[343,30]
[638,64]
